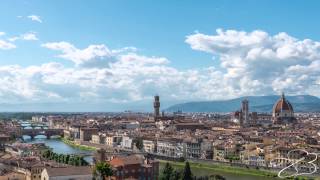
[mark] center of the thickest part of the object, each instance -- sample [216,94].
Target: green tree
[78,161]
[66,159]
[176,175]
[217,177]
[167,172]
[56,157]
[46,154]
[71,160]
[102,170]
[61,158]
[187,174]
[139,143]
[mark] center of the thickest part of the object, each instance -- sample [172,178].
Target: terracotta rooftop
[126,160]
[67,171]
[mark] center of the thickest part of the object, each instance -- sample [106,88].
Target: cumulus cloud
[93,56]
[2,33]
[129,78]
[35,18]
[262,60]
[118,83]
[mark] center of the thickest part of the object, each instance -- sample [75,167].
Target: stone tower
[245,111]
[156,106]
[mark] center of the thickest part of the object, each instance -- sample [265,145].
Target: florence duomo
[282,112]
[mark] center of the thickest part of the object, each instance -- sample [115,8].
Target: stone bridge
[47,132]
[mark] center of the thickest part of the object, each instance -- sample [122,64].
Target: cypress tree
[187,174]
[167,172]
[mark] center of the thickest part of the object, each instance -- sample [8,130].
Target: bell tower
[156,106]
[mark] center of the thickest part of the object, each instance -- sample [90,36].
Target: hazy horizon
[103,108]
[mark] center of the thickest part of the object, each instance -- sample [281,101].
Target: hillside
[301,103]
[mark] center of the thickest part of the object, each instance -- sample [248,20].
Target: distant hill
[301,103]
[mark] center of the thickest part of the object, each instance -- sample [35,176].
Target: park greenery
[208,168]
[169,173]
[73,144]
[75,160]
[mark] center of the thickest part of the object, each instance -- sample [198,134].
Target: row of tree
[74,160]
[169,173]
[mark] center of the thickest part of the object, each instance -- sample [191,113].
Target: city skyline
[116,55]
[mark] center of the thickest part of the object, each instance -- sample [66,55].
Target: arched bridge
[47,132]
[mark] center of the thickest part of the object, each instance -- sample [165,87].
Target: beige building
[86,133]
[36,171]
[149,146]
[113,140]
[13,176]
[95,139]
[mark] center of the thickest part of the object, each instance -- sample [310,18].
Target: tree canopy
[102,170]
[74,160]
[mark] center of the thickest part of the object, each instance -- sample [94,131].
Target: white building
[126,142]
[132,125]
[171,148]
[149,146]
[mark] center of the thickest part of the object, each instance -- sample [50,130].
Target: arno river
[58,146]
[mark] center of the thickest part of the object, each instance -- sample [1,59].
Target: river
[58,146]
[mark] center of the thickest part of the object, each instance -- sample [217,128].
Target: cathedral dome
[282,111]
[282,105]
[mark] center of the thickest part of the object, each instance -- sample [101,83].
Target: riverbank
[75,145]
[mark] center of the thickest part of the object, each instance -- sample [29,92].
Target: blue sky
[180,32]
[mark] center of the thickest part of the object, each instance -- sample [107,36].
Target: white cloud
[120,83]
[2,33]
[30,36]
[12,39]
[35,18]
[4,45]
[259,58]
[93,56]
